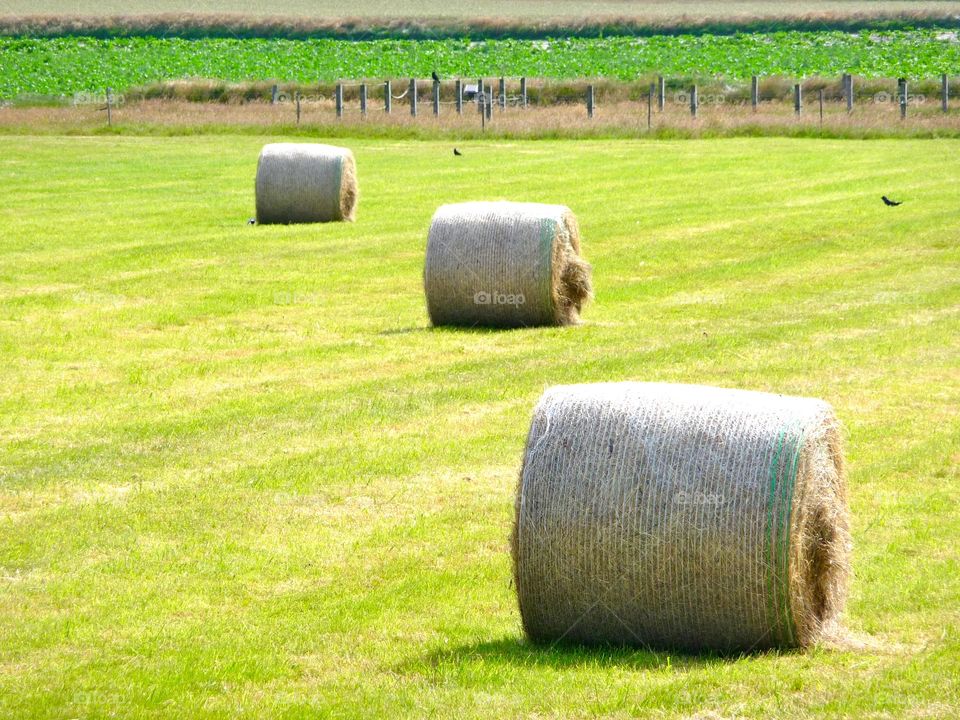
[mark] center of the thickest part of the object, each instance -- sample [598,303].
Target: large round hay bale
[681,516]
[505,264]
[305,183]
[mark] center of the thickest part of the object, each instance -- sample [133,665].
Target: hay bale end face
[505,264]
[681,516]
[305,183]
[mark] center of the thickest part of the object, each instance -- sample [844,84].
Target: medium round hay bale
[505,264]
[305,183]
[681,516]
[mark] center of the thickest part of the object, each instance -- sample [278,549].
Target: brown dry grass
[616,119]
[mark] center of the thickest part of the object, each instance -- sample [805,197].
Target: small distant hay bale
[505,264]
[681,516]
[305,183]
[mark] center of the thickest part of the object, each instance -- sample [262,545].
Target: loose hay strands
[505,264]
[681,516]
[304,183]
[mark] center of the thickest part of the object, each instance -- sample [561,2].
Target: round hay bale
[505,264]
[681,516]
[305,183]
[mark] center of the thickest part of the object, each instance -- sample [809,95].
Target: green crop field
[240,476]
[69,65]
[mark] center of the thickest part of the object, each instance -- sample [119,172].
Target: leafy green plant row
[76,64]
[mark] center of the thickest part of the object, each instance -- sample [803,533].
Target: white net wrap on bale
[505,264]
[305,183]
[681,516]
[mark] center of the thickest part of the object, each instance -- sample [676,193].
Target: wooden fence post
[523,92]
[387,97]
[902,92]
[653,90]
[754,92]
[297,94]
[413,97]
[661,92]
[944,92]
[798,98]
[489,103]
[363,99]
[109,107]
[339,101]
[274,91]
[481,97]
[503,94]
[820,97]
[590,98]
[694,101]
[849,92]
[436,99]
[459,90]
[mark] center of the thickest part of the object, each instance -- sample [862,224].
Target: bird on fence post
[436,78]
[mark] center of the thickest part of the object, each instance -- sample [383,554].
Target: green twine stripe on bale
[681,516]
[782,481]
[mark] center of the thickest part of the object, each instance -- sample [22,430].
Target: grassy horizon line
[206,25]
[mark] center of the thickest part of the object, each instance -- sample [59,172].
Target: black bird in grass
[890,203]
[457,152]
[436,78]
[252,221]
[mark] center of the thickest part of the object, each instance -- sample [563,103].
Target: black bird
[436,78]
[252,221]
[457,152]
[891,203]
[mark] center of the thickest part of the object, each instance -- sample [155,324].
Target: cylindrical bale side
[505,264]
[305,183]
[681,516]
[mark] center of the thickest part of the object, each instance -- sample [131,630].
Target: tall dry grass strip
[305,183]
[681,516]
[505,264]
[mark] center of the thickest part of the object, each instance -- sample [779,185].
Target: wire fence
[492,98]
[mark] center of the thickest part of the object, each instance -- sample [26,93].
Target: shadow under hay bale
[305,183]
[505,264]
[681,516]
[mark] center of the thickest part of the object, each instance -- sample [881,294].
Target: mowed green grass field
[241,476]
